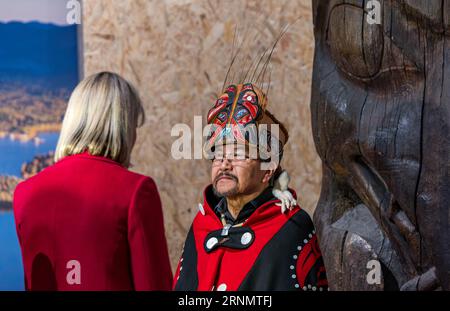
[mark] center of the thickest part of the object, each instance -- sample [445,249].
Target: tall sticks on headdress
[258,69]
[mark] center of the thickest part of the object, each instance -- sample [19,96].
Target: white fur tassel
[281,192]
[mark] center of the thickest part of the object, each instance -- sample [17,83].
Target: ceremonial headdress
[240,116]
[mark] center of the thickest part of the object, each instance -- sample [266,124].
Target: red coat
[87,223]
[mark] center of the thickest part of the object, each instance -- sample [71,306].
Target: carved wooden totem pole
[381,120]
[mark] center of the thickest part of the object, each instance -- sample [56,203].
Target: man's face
[233,173]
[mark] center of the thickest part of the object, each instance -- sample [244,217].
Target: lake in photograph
[13,154]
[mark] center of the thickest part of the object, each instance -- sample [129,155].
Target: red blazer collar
[87,155]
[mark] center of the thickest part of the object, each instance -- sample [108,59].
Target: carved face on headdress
[240,116]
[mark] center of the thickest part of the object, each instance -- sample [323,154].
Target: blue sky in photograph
[44,11]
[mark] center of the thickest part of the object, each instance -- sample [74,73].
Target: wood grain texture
[381,117]
[177,53]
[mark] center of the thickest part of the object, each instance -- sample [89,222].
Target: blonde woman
[87,222]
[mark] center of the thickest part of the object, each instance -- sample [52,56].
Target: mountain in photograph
[38,71]
[34,51]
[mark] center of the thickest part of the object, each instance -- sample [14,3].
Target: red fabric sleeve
[150,263]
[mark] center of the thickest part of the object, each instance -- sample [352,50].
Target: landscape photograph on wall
[39,68]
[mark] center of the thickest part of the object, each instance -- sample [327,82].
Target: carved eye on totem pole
[368,53]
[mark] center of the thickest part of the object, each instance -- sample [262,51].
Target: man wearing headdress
[239,240]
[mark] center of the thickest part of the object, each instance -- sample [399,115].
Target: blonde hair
[103,113]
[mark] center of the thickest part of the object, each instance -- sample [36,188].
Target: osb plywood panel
[177,52]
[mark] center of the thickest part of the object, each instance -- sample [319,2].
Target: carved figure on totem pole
[381,118]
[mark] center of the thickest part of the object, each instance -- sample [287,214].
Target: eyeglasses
[234,159]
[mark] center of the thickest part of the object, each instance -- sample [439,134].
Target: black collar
[248,209]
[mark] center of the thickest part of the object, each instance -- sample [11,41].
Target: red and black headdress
[240,116]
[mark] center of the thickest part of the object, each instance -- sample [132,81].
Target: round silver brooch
[211,242]
[246,238]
